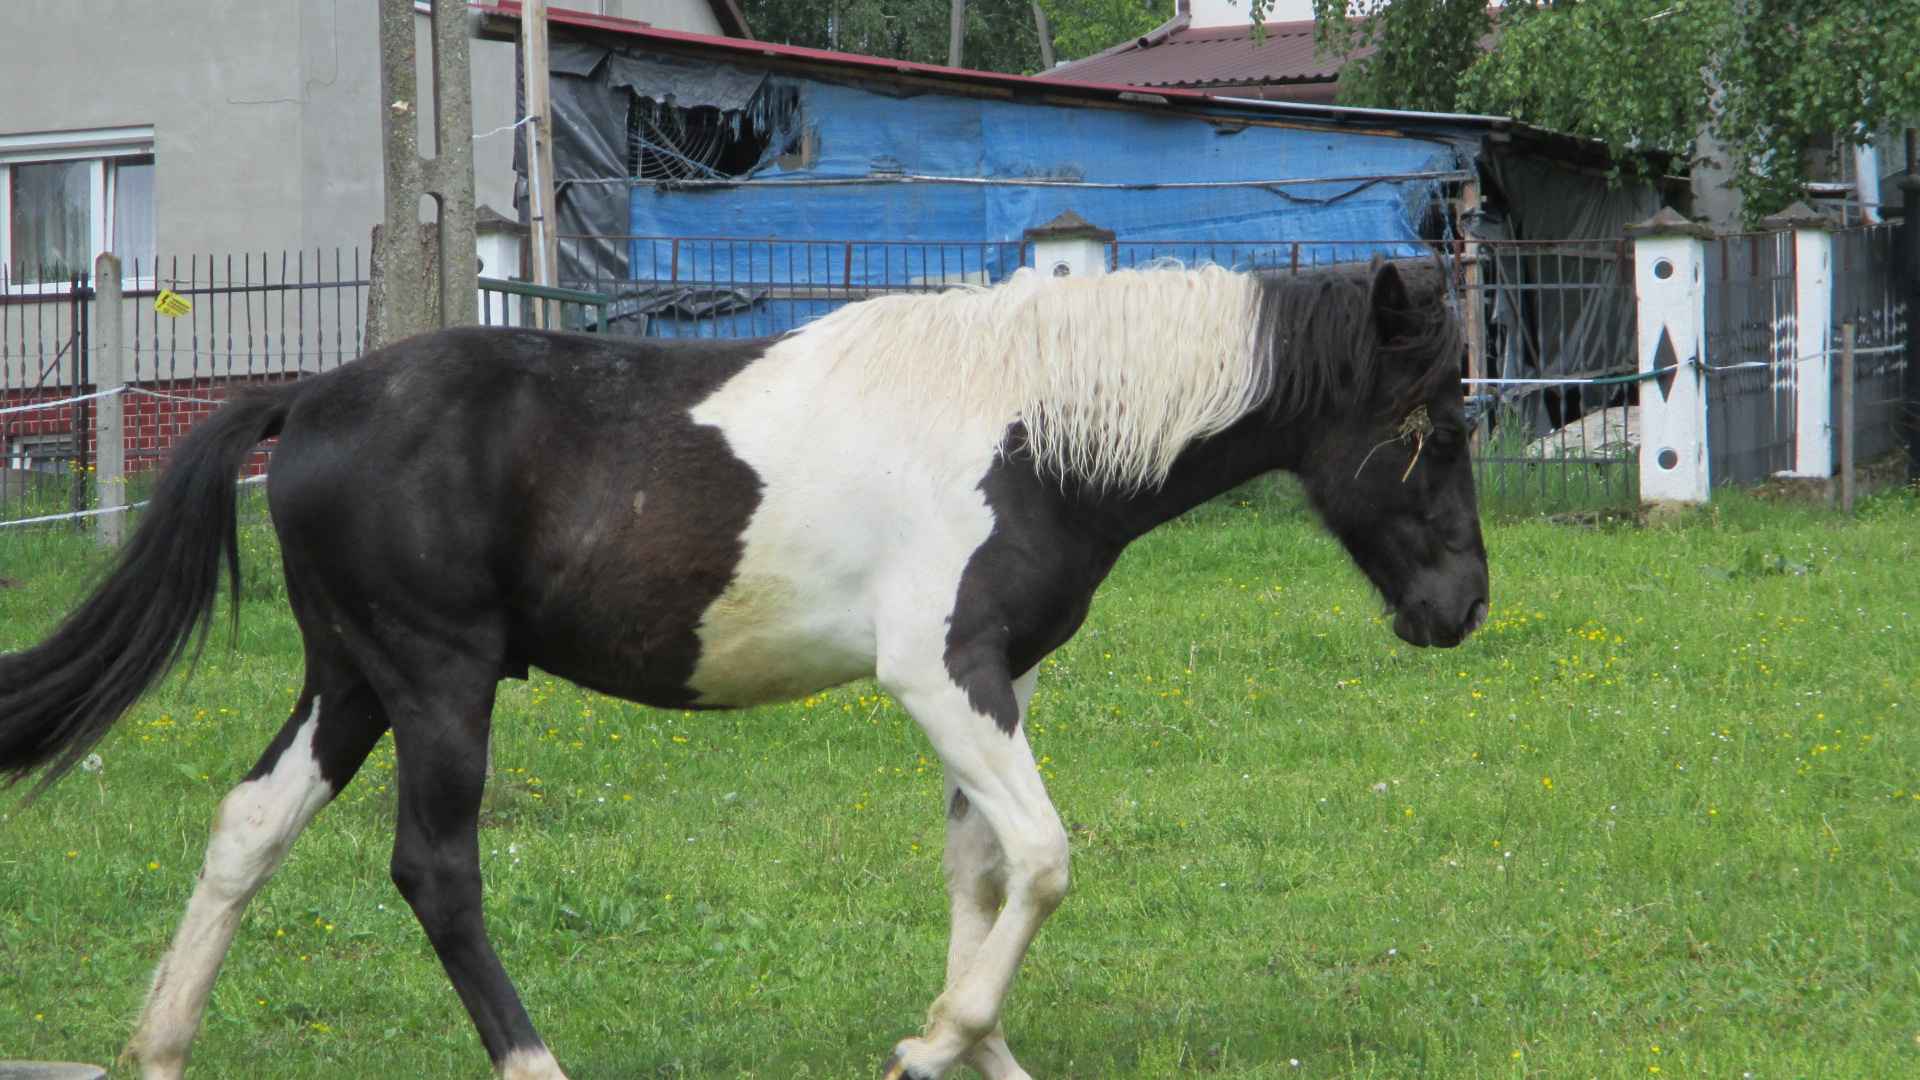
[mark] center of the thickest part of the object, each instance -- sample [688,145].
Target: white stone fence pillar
[1669,264]
[1811,366]
[1069,246]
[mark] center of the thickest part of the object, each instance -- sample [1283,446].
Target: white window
[67,196]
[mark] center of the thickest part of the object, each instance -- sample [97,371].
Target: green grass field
[1661,817]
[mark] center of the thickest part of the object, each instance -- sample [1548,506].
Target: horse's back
[680,524]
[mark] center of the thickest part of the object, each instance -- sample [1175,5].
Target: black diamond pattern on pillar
[1666,363]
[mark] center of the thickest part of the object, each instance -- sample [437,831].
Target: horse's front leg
[976,888]
[1006,859]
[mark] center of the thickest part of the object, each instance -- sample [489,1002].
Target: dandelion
[153,866]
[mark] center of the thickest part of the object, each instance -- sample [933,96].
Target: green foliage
[1420,49]
[1800,72]
[1771,79]
[1603,70]
[1000,34]
[1084,27]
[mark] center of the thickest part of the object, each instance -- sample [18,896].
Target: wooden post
[1846,418]
[109,414]
[540,194]
[1475,306]
[1906,279]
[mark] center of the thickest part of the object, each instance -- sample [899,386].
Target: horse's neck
[1208,468]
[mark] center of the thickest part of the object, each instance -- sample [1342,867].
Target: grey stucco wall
[266,129]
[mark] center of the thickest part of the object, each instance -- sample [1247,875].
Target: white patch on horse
[639,502]
[1113,375]
[830,550]
[535,1064]
[253,830]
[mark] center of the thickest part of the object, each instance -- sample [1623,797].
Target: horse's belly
[768,639]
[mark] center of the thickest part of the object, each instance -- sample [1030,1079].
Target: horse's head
[1389,472]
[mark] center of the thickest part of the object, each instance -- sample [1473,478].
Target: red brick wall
[153,424]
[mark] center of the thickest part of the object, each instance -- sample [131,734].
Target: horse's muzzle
[1422,624]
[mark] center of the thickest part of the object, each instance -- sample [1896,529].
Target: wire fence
[1867,295]
[195,328]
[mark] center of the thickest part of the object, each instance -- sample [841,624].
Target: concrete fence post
[1812,370]
[1069,246]
[110,412]
[1669,285]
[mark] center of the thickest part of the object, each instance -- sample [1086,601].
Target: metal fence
[1751,327]
[1867,294]
[43,358]
[733,288]
[516,303]
[1550,329]
[194,327]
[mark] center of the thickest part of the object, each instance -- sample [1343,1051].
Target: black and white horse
[925,489]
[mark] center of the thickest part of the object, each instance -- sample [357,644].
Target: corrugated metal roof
[1296,101]
[1210,56]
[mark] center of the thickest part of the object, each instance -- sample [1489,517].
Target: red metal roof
[509,10]
[1212,56]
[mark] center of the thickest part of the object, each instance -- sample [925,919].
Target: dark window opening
[669,143]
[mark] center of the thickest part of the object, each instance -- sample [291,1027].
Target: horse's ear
[1390,303]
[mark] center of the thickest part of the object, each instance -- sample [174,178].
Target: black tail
[58,698]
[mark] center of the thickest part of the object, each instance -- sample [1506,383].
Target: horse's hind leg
[441,724]
[332,729]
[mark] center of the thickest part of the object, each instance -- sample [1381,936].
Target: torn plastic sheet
[685,84]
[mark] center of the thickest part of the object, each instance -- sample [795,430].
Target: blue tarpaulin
[885,172]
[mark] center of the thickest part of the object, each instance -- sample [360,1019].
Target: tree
[1421,47]
[1084,27]
[999,34]
[1770,79]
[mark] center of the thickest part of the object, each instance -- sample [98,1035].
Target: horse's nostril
[1476,618]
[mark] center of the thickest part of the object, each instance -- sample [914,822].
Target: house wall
[265,112]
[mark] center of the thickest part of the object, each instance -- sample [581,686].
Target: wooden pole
[1044,31]
[956,32]
[540,195]
[1846,418]
[109,414]
[1473,300]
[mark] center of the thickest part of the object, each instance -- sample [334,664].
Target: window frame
[98,148]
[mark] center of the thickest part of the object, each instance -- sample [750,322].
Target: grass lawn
[1661,817]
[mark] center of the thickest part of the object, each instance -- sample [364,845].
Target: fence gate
[44,354]
[1752,328]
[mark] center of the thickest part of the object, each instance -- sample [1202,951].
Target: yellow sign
[171,304]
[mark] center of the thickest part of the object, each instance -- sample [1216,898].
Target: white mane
[1113,376]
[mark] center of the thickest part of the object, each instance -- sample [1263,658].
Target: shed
[826,171]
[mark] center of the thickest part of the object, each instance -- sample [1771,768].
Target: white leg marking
[996,773]
[530,1065]
[976,887]
[252,832]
